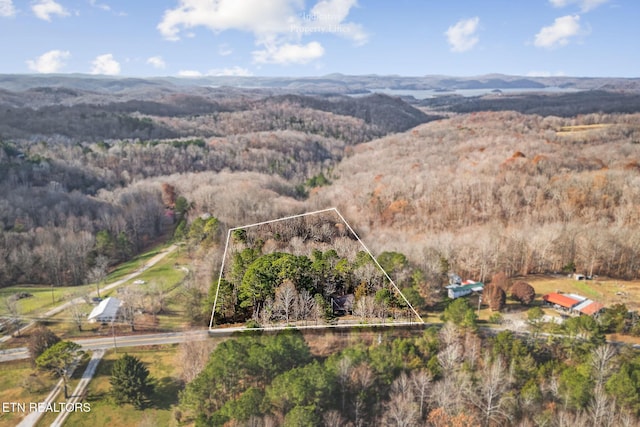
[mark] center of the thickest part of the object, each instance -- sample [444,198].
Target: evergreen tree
[130,382]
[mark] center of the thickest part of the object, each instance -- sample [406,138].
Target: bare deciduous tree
[490,396]
[334,418]
[98,272]
[13,310]
[78,315]
[285,299]
[362,377]
[192,357]
[451,351]
[401,410]
[131,305]
[421,381]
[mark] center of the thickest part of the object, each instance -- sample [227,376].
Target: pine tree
[130,382]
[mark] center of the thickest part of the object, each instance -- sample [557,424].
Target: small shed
[107,311]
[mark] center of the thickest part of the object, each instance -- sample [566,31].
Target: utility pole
[113,330]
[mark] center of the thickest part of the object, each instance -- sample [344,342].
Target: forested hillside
[82,178]
[477,193]
[486,192]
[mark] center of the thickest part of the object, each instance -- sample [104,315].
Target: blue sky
[319,37]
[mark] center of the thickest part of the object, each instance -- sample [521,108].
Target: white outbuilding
[105,312]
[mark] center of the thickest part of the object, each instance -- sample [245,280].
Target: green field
[165,276]
[45,296]
[160,360]
[20,383]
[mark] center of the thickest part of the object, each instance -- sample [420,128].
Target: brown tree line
[500,192]
[482,192]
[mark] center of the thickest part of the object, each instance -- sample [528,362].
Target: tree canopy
[58,359]
[130,381]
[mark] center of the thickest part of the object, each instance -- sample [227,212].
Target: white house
[107,311]
[457,291]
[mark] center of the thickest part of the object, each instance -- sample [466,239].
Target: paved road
[153,261]
[32,418]
[91,344]
[80,389]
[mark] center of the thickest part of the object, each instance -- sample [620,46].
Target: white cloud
[189,73]
[157,62]
[585,5]
[277,25]
[49,62]
[44,9]
[289,54]
[102,6]
[224,50]
[257,16]
[6,8]
[232,71]
[559,32]
[105,64]
[462,36]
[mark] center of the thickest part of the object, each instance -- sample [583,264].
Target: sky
[140,38]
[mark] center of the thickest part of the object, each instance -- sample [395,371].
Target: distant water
[430,93]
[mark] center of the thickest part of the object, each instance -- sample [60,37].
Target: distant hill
[332,83]
[109,113]
[544,104]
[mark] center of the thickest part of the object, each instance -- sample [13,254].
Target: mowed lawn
[21,383]
[42,297]
[161,362]
[165,276]
[45,297]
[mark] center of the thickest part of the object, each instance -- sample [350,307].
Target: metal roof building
[459,291]
[593,307]
[574,303]
[563,301]
[106,311]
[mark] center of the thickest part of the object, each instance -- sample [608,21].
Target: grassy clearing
[20,383]
[130,266]
[582,128]
[45,296]
[160,360]
[167,273]
[50,417]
